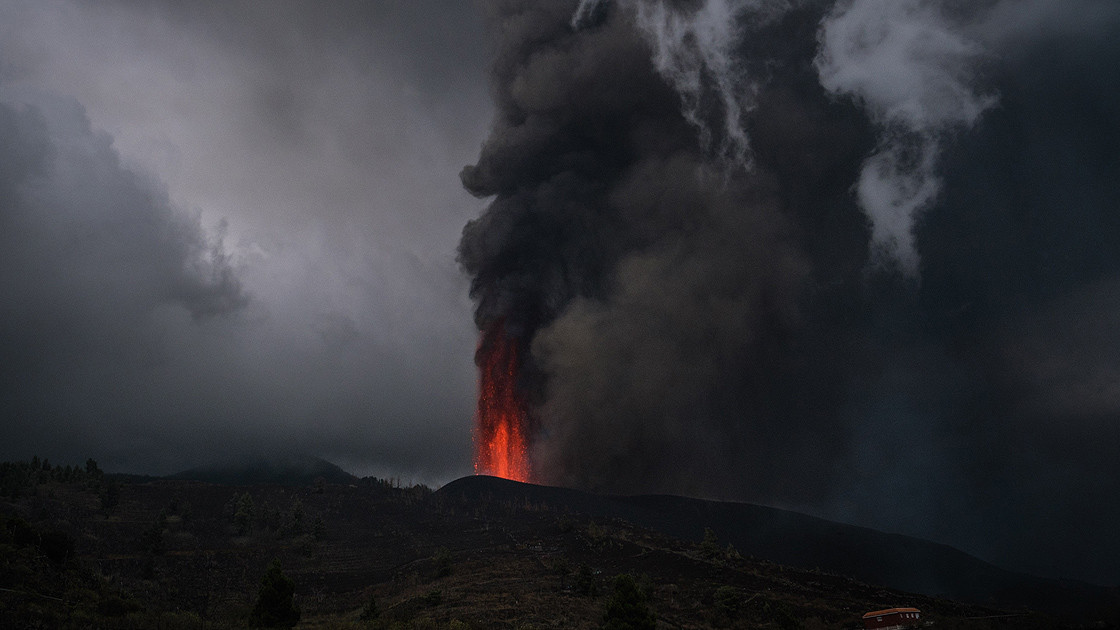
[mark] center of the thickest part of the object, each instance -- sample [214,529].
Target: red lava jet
[500,434]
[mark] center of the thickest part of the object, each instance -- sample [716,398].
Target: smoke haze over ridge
[870,312]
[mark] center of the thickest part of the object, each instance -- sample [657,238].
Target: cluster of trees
[710,549]
[21,543]
[246,516]
[19,477]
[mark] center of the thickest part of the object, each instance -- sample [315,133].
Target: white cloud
[912,70]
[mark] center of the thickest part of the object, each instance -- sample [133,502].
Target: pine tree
[709,547]
[243,518]
[275,604]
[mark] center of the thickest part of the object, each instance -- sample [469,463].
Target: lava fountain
[501,432]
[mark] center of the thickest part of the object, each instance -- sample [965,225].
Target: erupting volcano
[500,435]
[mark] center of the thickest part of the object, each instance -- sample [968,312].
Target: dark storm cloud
[70,202]
[90,253]
[250,242]
[735,332]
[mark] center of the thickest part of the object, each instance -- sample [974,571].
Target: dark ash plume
[719,331]
[667,300]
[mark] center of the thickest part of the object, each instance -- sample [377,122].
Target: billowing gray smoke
[663,288]
[844,256]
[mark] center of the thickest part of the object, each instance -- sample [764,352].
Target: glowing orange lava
[500,435]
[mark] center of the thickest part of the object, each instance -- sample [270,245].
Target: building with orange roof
[892,618]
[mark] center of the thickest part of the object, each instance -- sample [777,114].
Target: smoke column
[810,253]
[637,255]
[695,52]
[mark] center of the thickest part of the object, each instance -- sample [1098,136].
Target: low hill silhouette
[798,540]
[288,470]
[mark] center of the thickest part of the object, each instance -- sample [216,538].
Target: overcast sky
[858,258]
[232,225]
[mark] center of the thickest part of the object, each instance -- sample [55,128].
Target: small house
[891,618]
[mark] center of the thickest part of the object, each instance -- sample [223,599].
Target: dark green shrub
[628,607]
[709,547]
[275,606]
[585,583]
[442,560]
[728,601]
[114,605]
[292,524]
[561,567]
[111,495]
[432,599]
[243,517]
[371,611]
[783,616]
[151,539]
[57,546]
[21,532]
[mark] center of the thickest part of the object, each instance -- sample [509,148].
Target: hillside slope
[799,540]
